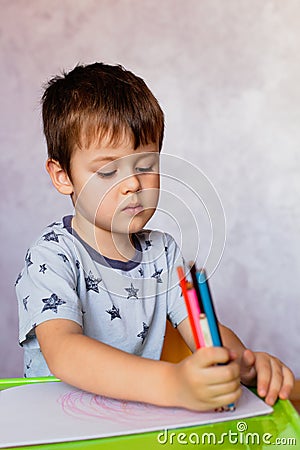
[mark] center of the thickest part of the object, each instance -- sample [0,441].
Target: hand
[201,384]
[272,377]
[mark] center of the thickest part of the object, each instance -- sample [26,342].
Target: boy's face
[115,189]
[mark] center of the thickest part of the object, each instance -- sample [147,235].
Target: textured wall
[227,75]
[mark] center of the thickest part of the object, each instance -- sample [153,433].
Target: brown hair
[96,101]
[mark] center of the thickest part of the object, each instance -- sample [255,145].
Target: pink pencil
[195,311]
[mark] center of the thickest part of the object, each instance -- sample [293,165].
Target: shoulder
[53,253]
[55,234]
[54,242]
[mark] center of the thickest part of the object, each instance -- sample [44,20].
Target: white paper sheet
[56,412]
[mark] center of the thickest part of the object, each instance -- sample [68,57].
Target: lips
[132,209]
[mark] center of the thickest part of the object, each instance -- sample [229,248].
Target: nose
[130,184]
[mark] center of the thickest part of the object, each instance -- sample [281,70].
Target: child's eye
[107,174]
[144,169]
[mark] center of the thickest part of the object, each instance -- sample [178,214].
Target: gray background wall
[227,76]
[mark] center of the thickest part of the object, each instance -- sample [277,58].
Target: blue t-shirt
[123,304]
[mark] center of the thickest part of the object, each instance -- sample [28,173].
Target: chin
[140,220]
[134,225]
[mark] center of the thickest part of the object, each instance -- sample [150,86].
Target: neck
[116,246]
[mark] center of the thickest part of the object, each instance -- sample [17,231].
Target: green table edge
[284,412]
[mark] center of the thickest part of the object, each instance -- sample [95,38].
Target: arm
[90,365]
[96,367]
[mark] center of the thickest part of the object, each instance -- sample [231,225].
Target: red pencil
[182,282]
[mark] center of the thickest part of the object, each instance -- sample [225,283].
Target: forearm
[198,382]
[101,369]
[231,341]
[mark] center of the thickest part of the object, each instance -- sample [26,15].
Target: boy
[97,287]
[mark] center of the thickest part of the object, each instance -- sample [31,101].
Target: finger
[226,398]
[248,359]
[248,370]
[216,390]
[275,382]
[218,375]
[210,356]
[264,374]
[288,383]
[249,376]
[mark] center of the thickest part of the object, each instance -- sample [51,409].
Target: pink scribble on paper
[82,404]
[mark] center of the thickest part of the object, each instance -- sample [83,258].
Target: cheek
[106,200]
[150,197]
[151,190]
[155,180]
[91,195]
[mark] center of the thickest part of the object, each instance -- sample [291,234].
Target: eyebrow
[107,159]
[100,159]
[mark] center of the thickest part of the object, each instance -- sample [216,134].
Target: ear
[59,177]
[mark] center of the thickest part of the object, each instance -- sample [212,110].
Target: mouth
[132,209]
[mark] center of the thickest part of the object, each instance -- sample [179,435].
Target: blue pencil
[209,310]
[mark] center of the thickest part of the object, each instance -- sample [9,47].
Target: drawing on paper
[82,404]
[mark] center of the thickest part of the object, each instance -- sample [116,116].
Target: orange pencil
[194,320]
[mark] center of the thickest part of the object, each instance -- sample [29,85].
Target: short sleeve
[176,308]
[47,288]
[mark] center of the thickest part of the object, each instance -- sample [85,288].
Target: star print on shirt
[132,291]
[143,334]
[141,271]
[157,274]
[52,303]
[28,259]
[28,364]
[148,244]
[92,282]
[51,236]
[18,278]
[53,224]
[64,258]
[114,313]
[77,263]
[25,301]
[28,367]
[43,268]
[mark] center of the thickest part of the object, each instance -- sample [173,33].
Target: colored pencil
[209,307]
[189,306]
[202,316]
[195,314]
[211,314]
